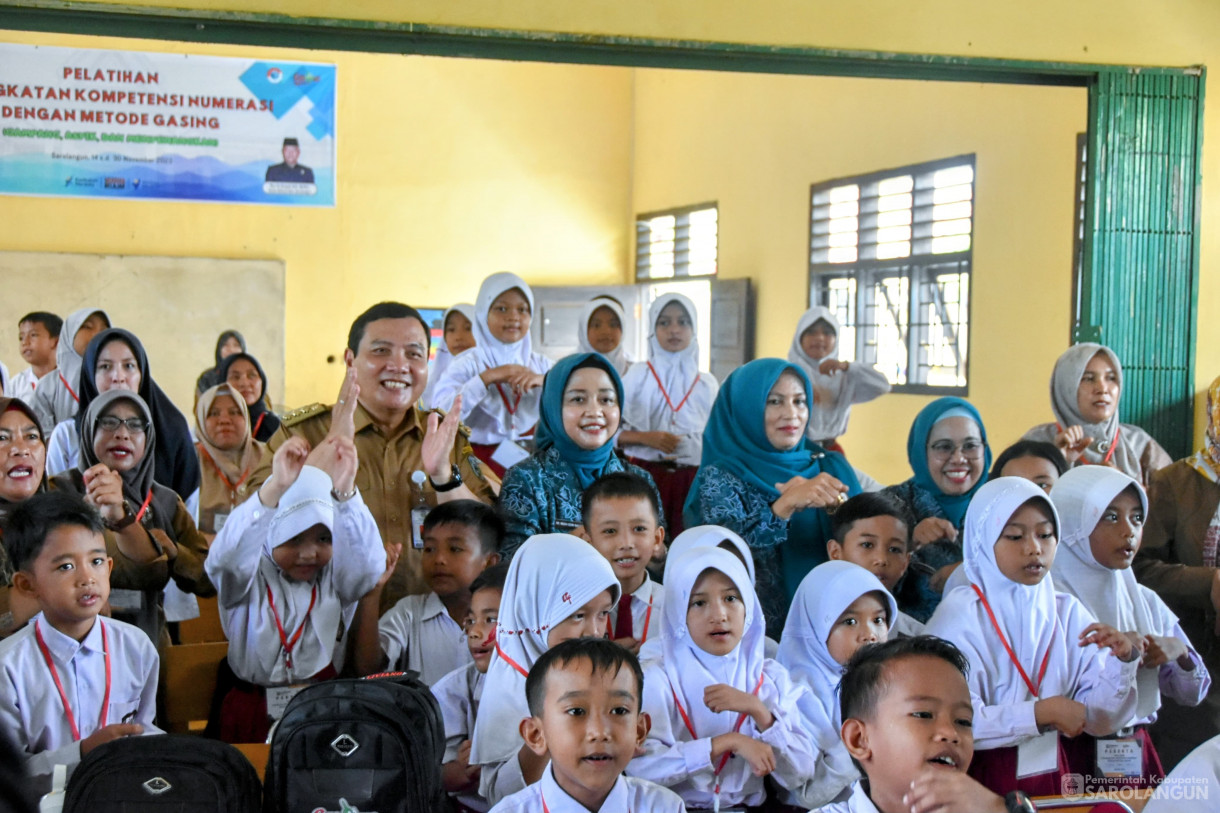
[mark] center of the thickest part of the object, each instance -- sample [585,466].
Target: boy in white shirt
[423,633]
[584,697]
[620,520]
[907,718]
[460,691]
[38,333]
[69,680]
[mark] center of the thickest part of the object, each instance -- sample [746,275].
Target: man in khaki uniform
[388,348]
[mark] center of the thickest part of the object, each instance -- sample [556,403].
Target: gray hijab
[1065,383]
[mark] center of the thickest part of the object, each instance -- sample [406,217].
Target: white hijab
[1026,614]
[707,536]
[490,350]
[691,670]
[68,361]
[551,577]
[618,356]
[1082,496]
[823,595]
[444,357]
[832,404]
[676,372]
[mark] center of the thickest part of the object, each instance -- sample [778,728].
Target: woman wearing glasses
[147,520]
[949,457]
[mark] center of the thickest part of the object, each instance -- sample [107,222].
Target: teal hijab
[588,464]
[736,440]
[954,505]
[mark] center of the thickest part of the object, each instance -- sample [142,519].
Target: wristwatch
[455,481]
[129,517]
[1018,802]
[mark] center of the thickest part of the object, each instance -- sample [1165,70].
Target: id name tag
[1039,755]
[1120,757]
[509,454]
[278,698]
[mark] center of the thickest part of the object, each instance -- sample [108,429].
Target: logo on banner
[275,76]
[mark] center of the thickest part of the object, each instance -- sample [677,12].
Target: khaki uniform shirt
[384,480]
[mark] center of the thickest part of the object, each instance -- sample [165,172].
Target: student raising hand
[285,468]
[343,416]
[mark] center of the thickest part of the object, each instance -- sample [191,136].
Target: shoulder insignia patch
[300,414]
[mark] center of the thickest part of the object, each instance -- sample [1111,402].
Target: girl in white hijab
[666,404]
[1086,387]
[601,328]
[558,587]
[457,336]
[836,384]
[714,694]
[828,603]
[500,378]
[1102,511]
[1041,666]
[57,394]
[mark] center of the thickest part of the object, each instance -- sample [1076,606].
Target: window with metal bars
[890,255]
[676,243]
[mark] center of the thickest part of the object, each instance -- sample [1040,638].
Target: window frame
[676,212]
[909,267]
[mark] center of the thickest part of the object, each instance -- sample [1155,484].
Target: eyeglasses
[945,449]
[135,426]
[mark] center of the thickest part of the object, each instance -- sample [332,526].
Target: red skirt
[484,451]
[673,483]
[243,712]
[996,770]
[1082,759]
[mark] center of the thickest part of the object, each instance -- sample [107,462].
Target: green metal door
[1138,288]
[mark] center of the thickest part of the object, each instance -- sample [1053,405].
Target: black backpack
[370,744]
[170,772]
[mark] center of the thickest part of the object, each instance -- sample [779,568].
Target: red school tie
[622,624]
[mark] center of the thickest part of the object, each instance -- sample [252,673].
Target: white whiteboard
[177,306]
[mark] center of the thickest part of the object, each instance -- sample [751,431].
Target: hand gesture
[757,753]
[949,792]
[438,442]
[343,414]
[832,366]
[111,732]
[1072,442]
[1106,636]
[463,759]
[523,379]
[933,529]
[722,697]
[1060,713]
[666,442]
[799,493]
[1159,651]
[286,466]
[104,491]
[392,552]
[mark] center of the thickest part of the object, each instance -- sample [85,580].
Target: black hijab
[177,465]
[212,376]
[263,422]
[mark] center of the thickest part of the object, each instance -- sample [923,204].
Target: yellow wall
[448,170]
[756,143]
[1185,32]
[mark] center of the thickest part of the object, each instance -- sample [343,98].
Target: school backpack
[163,772]
[372,745]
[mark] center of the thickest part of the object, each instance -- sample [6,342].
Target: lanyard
[724,758]
[665,394]
[63,696]
[257,425]
[512,408]
[1105,461]
[509,660]
[144,506]
[290,643]
[647,620]
[231,486]
[1029,684]
[68,386]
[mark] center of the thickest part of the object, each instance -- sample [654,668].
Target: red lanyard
[231,486]
[63,696]
[1105,461]
[144,506]
[509,660]
[71,391]
[512,408]
[741,718]
[290,643]
[647,620]
[258,424]
[665,394]
[1029,684]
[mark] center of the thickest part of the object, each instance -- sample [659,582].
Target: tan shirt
[384,480]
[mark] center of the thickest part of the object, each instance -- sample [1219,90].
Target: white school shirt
[421,627]
[673,759]
[458,694]
[1193,786]
[857,802]
[22,385]
[31,710]
[906,627]
[63,447]
[1089,675]
[1188,687]
[646,410]
[242,572]
[646,603]
[485,410]
[629,795]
